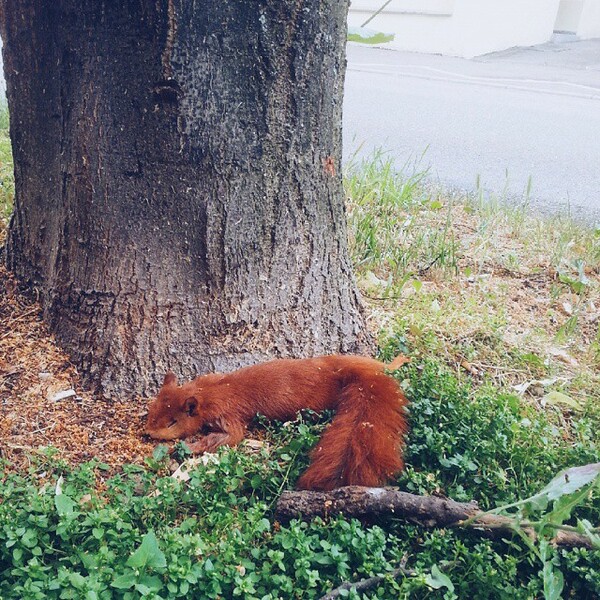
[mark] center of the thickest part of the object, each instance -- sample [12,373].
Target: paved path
[505,117]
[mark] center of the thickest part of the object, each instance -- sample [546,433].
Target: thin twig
[367,584]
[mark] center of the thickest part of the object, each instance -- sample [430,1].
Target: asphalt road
[504,118]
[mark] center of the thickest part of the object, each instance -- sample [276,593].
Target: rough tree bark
[178,191]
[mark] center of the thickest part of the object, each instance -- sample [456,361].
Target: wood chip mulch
[34,374]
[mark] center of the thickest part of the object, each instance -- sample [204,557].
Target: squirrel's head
[175,413]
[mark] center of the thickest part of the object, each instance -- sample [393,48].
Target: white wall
[579,16]
[460,27]
[569,14]
[589,24]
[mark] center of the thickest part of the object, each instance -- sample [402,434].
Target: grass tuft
[7,179]
[385,212]
[499,292]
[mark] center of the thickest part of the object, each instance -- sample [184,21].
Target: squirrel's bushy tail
[363,444]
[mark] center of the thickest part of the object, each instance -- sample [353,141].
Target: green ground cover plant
[73,533]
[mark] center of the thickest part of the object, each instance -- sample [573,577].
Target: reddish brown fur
[362,446]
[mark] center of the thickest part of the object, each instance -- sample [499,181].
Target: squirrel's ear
[191,407]
[170,379]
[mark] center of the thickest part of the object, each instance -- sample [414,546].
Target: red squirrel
[362,445]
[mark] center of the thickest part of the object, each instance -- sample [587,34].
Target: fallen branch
[428,511]
[365,502]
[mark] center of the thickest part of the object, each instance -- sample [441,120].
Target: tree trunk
[178,191]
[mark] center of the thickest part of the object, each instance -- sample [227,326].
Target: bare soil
[33,373]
